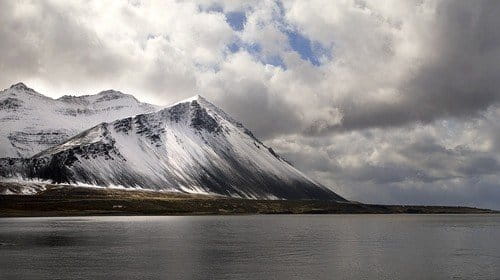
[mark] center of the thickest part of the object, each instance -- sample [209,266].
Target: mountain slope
[32,122]
[191,146]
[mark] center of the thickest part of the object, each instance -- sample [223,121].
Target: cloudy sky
[384,101]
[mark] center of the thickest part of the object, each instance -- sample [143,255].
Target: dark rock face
[10,103]
[74,99]
[77,112]
[200,119]
[58,167]
[124,125]
[49,137]
[11,167]
[176,112]
[21,86]
[149,126]
[108,95]
[273,153]
[106,151]
[23,140]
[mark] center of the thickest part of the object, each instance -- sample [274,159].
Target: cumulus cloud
[386,101]
[411,62]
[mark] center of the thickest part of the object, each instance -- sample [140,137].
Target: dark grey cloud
[424,161]
[455,163]
[458,77]
[250,102]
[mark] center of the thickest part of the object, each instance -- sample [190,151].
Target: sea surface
[252,247]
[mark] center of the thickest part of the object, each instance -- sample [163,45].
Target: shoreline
[57,201]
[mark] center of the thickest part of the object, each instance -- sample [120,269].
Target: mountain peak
[21,86]
[22,89]
[196,97]
[111,92]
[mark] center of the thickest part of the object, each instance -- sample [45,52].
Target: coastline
[84,201]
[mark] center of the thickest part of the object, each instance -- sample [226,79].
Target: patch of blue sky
[253,48]
[309,50]
[233,47]
[236,20]
[312,51]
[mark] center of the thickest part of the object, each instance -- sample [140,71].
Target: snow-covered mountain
[191,146]
[31,122]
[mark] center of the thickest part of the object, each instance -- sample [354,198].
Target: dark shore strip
[81,201]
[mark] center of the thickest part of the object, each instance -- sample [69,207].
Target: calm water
[252,247]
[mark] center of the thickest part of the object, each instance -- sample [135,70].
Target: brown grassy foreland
[82,201]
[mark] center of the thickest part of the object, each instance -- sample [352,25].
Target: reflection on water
[252,247]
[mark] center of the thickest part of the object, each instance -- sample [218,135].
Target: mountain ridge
[32,122]
[191,146]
